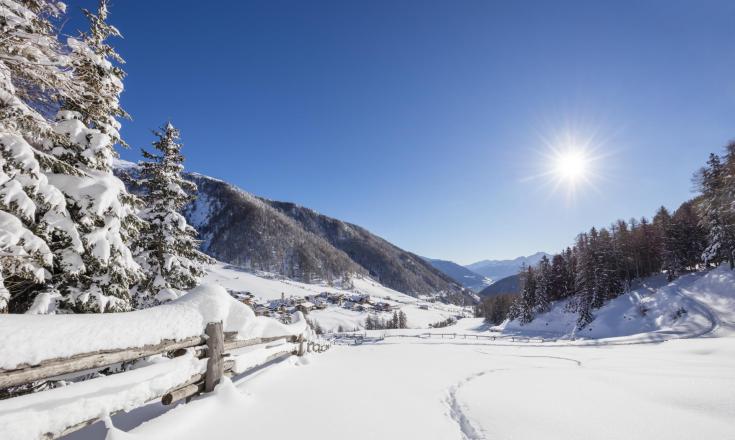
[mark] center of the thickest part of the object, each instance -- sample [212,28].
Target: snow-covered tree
[543,294]
[105,213]
[38,236]
[167,249]
[97,68]
[717,211]
[585,281]
[526,303]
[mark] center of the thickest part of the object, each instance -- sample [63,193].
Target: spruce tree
[105,213]
[585,281]
[544,278]
[39,237]
[402,320]
[167,249]
[717,215]
[527,300]
[393,323]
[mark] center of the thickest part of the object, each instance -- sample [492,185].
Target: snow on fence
[220,337]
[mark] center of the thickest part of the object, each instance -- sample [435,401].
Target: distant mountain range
[487,277]
[461,274]
[498,269]
[239,228]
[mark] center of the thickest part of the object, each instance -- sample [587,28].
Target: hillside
[267,287]
[460,274]
[701,303]
[239,228]
[511,284]
[383,261]
[498,269]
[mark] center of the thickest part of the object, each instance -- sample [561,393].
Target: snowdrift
[31,339]
[692,305]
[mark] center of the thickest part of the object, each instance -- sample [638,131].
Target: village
[283,308]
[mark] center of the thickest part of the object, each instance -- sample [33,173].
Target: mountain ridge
[498,269]
[297,242]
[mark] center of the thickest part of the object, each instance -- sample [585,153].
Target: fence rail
[362,337]
[214,345]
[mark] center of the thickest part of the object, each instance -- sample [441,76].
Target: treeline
[72,238]
[398,320]
[604,262]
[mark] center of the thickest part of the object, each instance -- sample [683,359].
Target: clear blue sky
[422,120]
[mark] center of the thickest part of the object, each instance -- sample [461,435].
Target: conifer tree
[717,209]
[402,320]
[543,294]
[38,237]
[393,323]
[585,281]
[167,249]
[527,301]
[105,213]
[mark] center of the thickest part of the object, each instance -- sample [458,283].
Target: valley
[673,379]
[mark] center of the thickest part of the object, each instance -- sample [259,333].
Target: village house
[305,307]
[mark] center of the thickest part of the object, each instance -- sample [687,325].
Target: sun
[571,165]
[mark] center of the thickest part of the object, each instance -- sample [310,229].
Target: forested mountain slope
[511,284]
[239,228]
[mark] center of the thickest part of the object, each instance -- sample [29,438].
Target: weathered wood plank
[235,344]
[86,361]
[215,349]
[182,393]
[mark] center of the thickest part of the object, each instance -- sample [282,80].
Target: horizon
[418,131]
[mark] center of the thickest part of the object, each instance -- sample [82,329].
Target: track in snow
[457,412]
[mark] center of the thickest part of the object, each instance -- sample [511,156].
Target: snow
[678,390]
[32,415]
[30,339]
[655,311]
[267,287]
[681,387]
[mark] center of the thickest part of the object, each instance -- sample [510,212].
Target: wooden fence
[214,345]
[361,337]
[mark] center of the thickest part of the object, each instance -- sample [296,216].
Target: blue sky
[422,121]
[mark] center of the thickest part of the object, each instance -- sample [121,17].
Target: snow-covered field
[268,287]
[681,386]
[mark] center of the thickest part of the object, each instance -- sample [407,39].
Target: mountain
[511,284]
[242,229]
[498,269]
[460,274]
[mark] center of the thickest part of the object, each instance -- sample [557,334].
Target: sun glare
[571,165]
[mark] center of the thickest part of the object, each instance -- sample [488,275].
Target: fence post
[301,346]
[215,349]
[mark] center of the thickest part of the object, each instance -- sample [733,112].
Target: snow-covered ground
[692,305]
[680,387]
[268,287]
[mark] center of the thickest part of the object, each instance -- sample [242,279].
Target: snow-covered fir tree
[167,249]
[38,236]
[527,302]
[105,213]
[96,66]
[543,294]
[718,212]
